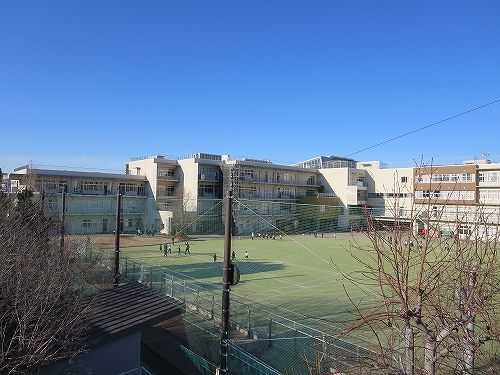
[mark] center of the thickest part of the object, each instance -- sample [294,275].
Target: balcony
[267,197]
[213,177]
[167,178]
[275,181]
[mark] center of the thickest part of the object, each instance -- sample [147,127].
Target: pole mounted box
[235,274]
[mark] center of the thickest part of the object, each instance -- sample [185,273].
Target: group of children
[167,249]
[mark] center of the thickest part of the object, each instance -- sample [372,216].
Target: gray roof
[127,309]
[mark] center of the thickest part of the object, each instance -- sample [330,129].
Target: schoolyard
[294,274]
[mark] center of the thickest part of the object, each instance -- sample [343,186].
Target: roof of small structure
[127,309]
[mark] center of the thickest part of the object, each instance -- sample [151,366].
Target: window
[50,184]
[89,186]
[89,224]
[131,187]
[286,193]
[267,192]
[165,172]
[138,171]
[404,179]
[467,177]
[465,229]
[248,192]
[248,174]
[206,190]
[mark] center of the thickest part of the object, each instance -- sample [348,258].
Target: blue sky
[91,84]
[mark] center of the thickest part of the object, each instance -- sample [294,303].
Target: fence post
[248,323]
[172,287]
[184,291]
[270,343]
[294,337]
[213,303]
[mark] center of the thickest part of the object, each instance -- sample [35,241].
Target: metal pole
[226,275]
[63,216]
[117,238]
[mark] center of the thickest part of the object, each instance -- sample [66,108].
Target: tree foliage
[42,309]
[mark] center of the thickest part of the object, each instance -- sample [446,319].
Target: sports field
[292,274]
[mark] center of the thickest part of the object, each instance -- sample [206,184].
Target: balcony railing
[167,178]
[208,177]
[270,196]
[278,181]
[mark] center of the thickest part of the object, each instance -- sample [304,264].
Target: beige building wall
[188,185]
[390,189]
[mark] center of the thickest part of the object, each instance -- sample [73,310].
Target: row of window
[489,196]
[94,186]
[89,186]
[453,195]
[489,177]
[53,184]
[129,224]
[450,177]
[210,174]
[207,190]
[131,187]
[389,195]
[165,191]
[267,192]
[252,175]
[165,173]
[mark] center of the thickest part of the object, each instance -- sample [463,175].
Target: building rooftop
[126,309]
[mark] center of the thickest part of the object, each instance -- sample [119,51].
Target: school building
[169,195]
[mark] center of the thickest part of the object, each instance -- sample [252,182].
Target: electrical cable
[424,127]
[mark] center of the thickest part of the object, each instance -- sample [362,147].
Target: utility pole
[117,238]
[227,276]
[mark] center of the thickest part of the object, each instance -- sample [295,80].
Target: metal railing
[292,337]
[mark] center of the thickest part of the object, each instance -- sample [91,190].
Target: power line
[424,127]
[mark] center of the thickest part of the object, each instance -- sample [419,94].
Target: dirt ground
[107,241]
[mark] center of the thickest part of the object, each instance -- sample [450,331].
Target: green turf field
[294,274]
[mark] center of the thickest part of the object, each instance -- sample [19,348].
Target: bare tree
[42,310]
[184,210]
[430,302]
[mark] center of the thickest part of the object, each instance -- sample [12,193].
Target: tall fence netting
[287,308]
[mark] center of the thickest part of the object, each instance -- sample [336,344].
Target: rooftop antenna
[486,155]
